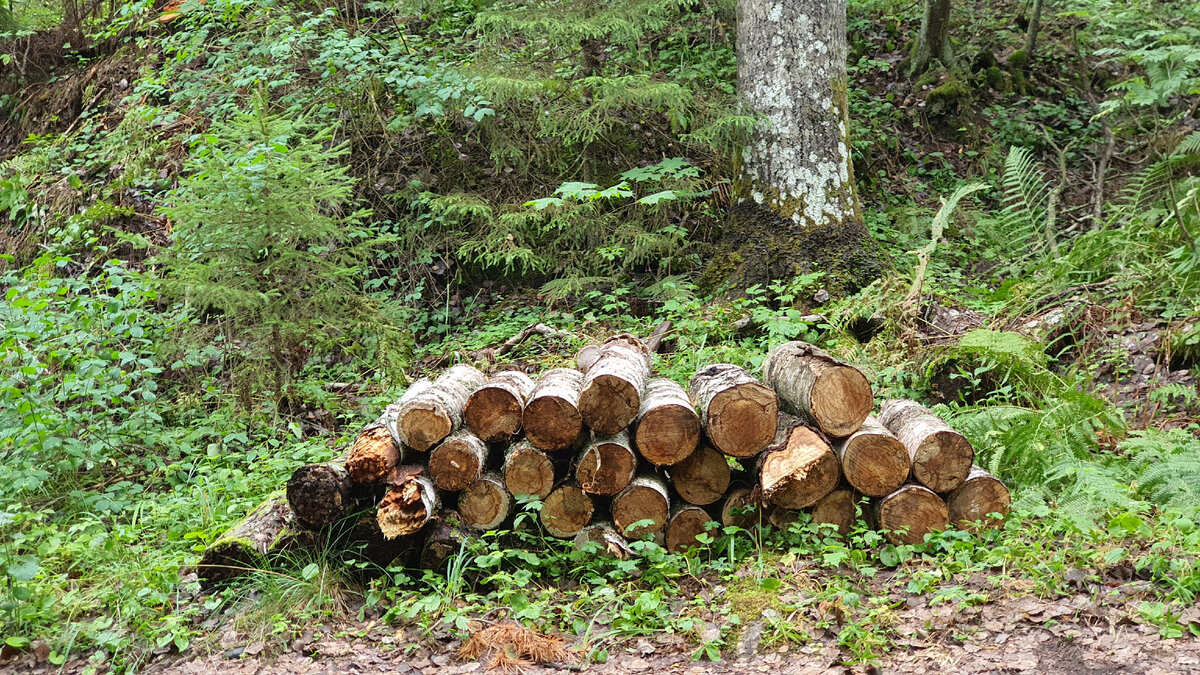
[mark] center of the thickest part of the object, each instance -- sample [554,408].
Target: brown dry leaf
[513,647]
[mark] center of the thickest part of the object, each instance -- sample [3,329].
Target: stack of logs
[613,453]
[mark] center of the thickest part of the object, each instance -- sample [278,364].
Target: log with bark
[874,461]
[702,478]
[980,495]
[319,494]
[269,528]
[410,502]
[737,412]
[612,389]
[667,428]
[607,464]
[818,388]
[447,533]
[685,524]
[908,514]
[375,452]
[586,357]
[741,508]
[645,499]
[458,461]
[566,511]
[551,419]
[798,468]
[941,457]
[485,504]
[364,541]
[604,536]
[837,509]
[528,470]
[431,410]
[493,411]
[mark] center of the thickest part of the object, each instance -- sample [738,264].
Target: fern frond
[1026,191]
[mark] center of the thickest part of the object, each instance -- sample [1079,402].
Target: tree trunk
[837,509]
[457,461]
[528,471]
[566,511]
[612,389]
[409,503]
[319,494]
[605,536]
[874,461]
[798,210]
[375,452]
[646,498]
[934,41]
[741,508]
[798,468]
[702,478]
[908,514]
[270,528]
[980,494]
[551,419]
[607,465]
[738,412]
[430,411]
[1035,24]
[686,523]
[485,504]
[667,428]
[941,457]
[819,388]
[494,410]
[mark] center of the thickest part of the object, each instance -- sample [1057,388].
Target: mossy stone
[951,98]
[1018,59]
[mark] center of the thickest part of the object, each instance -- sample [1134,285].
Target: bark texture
[798,468]
[319,494]
[933,43]
[566,511]
[375,452]
[270,528]
[457,461]
[910,513]
[667,427]
[551,419]
[612,389]
[798,208]
[686,523]
[431,410]
[485,504]
[818,388]
[941,457]
[528,471]
[874,461]
[738,412]
[409,503]
[702,478]
[494,410]
[607,464]
[980,495]
[646,498]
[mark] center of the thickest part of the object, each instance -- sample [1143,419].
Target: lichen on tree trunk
[796,207]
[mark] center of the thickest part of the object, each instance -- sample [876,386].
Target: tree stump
[702,478]
[798,468]
[667,427]
[612,389]
[818,388]
[551,419]
[911,512]
[494,411]
[874,461]
[941,457]
[980,495]
[737,412]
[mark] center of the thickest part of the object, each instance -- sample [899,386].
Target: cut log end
[741,420]
[841,400]
[373,456]
[976,499]
[644,500]
[566,511]
[608,403]
[607,466]
[528,471]
[485,504]
[702,478]
[910,513]
[457,461]
[685,525]
[799,468]
[319,494]
[668,434]
[741,509]
[552,423]
[874,461]
[836,509]
[943,460]
[494,414]
[407,506]
[604,536]
[423,428]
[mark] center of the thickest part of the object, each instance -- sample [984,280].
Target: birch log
[409,503]
[319,494]
[702,478]
[493,411]
[528,471]
[686,523]
[607,464]
[457,461]
[375,452]
[612,389]
[798,468]
[908,514]
[874,461]
[485,504]
[605,536]
[431,410]
[818,388]
[551,418]
[941,457]
[269,528]
[737,412]
[667,428]
[980,495]
[646,498]
[837,509]
[566,511]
